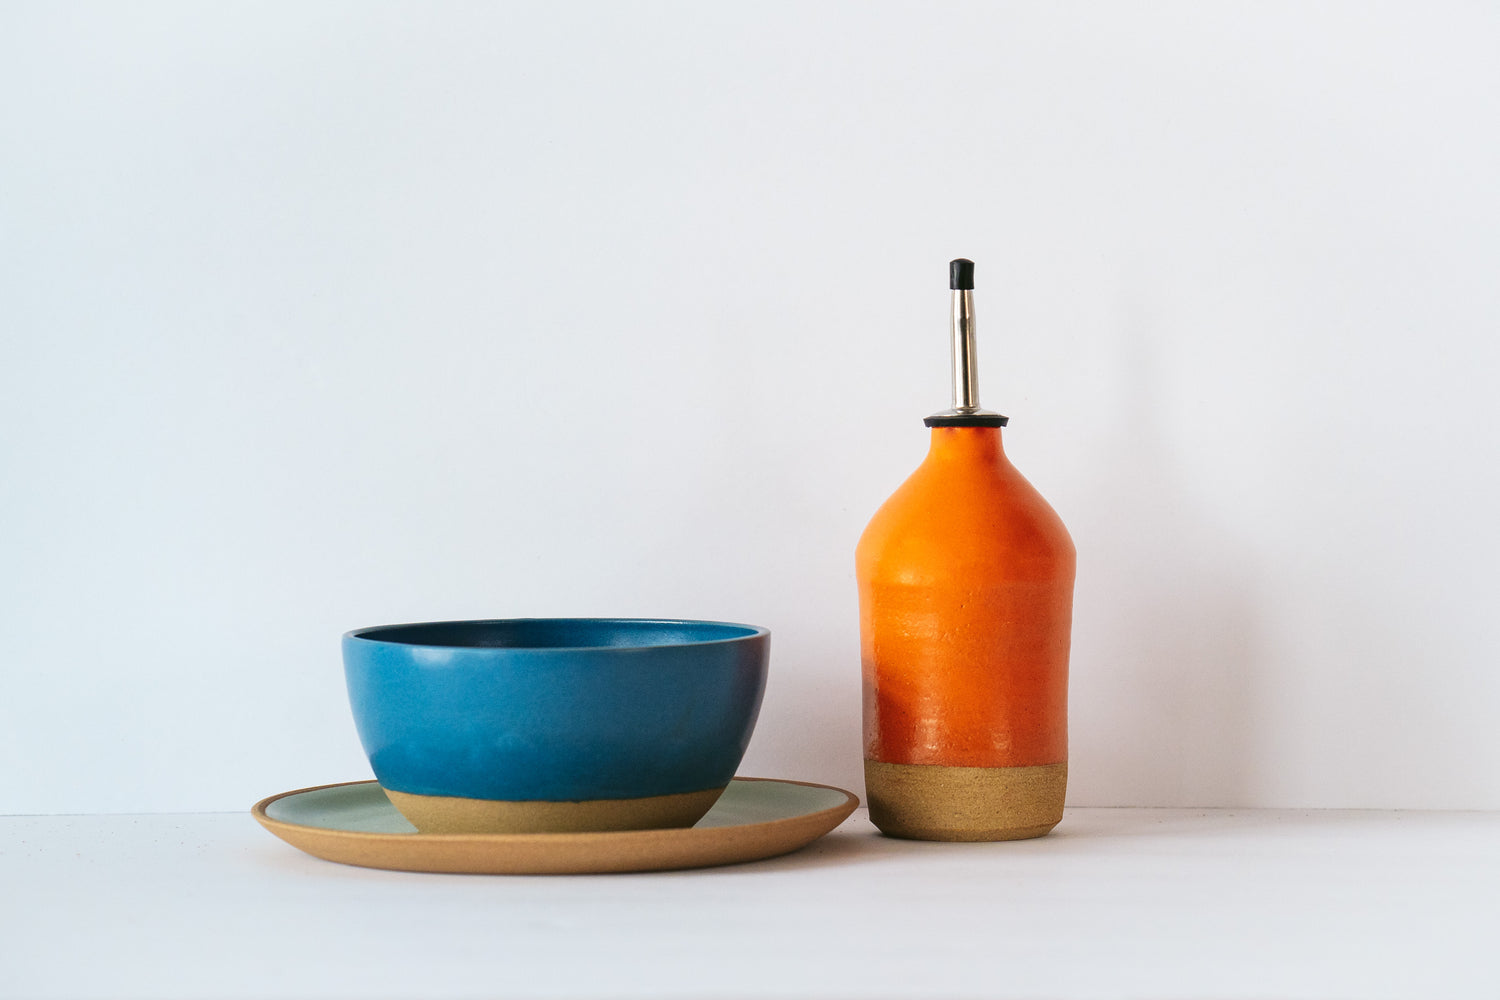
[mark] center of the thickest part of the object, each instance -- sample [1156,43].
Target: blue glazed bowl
[555,724]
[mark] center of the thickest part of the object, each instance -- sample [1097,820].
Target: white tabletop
[1116,903]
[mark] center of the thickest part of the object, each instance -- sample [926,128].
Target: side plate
[355,824]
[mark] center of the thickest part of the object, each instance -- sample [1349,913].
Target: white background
[324,316]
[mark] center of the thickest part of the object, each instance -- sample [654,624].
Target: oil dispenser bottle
[966,607]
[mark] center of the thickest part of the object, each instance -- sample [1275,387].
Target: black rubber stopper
[966,420]
[961,274]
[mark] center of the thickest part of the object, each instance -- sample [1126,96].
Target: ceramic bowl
[544,725]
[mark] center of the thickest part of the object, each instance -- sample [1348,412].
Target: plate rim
[258,811]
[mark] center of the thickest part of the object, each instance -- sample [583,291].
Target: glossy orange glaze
[966,608]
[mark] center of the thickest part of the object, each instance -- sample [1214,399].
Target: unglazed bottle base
[450,814]
[932,802]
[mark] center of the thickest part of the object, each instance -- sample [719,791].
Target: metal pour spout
[965,411]
[965,363]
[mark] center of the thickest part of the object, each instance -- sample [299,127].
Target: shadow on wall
[1165,687]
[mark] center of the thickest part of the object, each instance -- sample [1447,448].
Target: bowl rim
[363,634]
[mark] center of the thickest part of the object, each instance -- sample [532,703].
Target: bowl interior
[558,633]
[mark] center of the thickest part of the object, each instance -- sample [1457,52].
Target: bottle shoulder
[947,518]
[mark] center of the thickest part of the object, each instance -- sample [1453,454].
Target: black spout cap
[961,274]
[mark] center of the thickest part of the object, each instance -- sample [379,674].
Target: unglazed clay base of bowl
[932,802]
[448,814]
[355,824]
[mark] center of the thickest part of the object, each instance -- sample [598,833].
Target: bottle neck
[965,444]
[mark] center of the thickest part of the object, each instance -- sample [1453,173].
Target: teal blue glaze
[556,709]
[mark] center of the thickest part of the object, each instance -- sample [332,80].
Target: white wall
[323,316]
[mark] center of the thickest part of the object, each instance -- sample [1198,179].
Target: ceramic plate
[355,824]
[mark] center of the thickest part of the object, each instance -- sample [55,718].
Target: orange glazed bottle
[966,609]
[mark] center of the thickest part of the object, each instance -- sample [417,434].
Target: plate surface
[355,824]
